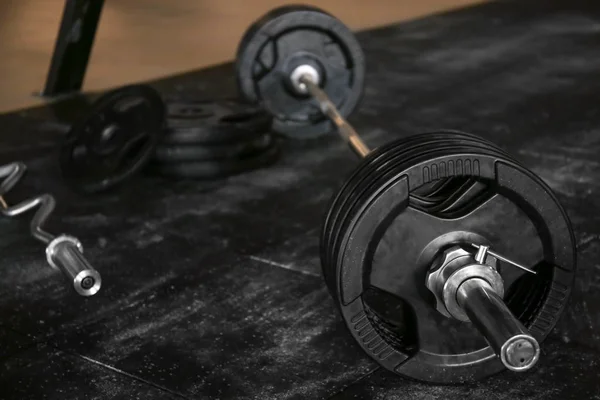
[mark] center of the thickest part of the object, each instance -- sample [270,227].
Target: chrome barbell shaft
[511,341]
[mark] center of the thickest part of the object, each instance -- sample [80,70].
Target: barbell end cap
[520,353]
[87,283]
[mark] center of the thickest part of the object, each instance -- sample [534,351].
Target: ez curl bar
[63,252]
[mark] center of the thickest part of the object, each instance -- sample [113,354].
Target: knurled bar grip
[346,130]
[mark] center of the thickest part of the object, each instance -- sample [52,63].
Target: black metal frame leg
[73,46]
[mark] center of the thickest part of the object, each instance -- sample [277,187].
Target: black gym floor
[214,290]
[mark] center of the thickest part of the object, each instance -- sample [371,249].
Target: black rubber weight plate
[217,169]
[216,122]
[179,153]
[390,168]
[286,38]
[115,140]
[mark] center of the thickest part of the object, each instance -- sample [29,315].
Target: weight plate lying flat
[217,169]
[214,122]
[376,253]
[178,153]
[115,140]
[293,36]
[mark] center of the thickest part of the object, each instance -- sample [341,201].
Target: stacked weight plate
[212,139]
[375,235]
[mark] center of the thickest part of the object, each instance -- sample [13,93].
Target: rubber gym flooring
[213,290]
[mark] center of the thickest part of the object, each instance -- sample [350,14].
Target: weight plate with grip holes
[217,168]
[214,122]
[289,37]
[378,245]
[115,140]
[166,153]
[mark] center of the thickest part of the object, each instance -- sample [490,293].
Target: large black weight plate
[166,153]
[381,237]
[115,140]
[288,37]
[217,168]
[214,122]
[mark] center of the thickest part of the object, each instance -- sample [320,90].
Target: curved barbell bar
[63,252]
